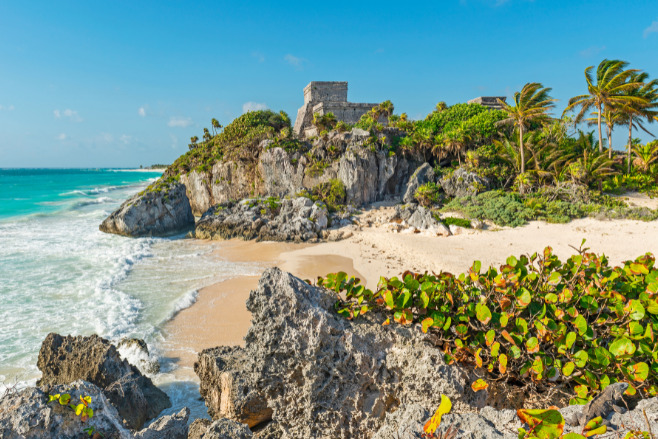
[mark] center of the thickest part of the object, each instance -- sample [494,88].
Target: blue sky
[93,83]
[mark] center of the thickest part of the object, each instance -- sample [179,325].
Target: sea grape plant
[536,321]
[81,409]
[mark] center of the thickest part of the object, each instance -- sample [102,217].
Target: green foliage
[428,194]
[331,193]
[461,222]
[537,321]
[82,409]
[503,208]
[238,141]
[631,183]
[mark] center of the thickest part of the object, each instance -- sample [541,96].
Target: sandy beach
[219,317]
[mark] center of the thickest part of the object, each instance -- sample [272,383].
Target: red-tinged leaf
[479,385]
[404,317]
[386,322]
[434,422]
[502,363]
[507,337]
[640,371]
[426,323]
[489,337]
[483,313]
[544,424]
[532,345]
[478,359]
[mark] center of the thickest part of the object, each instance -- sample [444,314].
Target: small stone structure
[491,102]
[324,97]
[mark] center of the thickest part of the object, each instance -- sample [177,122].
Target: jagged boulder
[157,211]
[220,429]
[423,174]
[315,374]
[63,360]
[299,219]
[28,414]
[173,426]
[419,219]
[463,183]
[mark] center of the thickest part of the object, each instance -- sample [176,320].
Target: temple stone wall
[323,98]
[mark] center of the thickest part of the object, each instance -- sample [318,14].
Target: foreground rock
[220,429]
[314,374]
[63,360]
[424,174]
[29,414]
[413,218]
[299,219]
[157,211]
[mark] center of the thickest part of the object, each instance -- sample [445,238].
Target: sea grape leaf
[444,408]
[479,385]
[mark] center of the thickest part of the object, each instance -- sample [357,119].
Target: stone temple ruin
[324,97]
[491,102]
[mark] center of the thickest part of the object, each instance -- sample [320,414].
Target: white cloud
[69,114]
[253,106]
[180,122]
[125,139]
[142,111]
[62,136]
[653,28]
[258,55]
[106,137]
[6,107]
[592,51]
[294,61]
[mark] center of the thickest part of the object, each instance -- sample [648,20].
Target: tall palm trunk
[521,148]
[609,127]
[630,142]
[600,134]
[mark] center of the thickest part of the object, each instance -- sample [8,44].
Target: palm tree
[453,142]
[386,109]
[440,107]
[611,116]
[591,167]
[193,140]
[635,113]
[530,104]
[645,155]
[216,125]
[610,90]
[206,134]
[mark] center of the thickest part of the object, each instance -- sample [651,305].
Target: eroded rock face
[424,174]
[463,183]
[28,414]
[220,429]
[299,219]
[63,360]
[167,427]
[152,213]
[318,375]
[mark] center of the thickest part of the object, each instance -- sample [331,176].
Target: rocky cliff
[363,163]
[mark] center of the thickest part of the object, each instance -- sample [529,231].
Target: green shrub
[536,322]
[461,222]
[331,193]
[503,208]
[428,194]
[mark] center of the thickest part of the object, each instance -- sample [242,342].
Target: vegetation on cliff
[566,328]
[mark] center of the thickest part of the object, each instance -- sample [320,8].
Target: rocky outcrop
[167,427]
[463,183]
[153,212]
[29,414]
[299,219]
[370,173]
[315,374]
[419,219]
[424,174]
[63,360]
[220,429]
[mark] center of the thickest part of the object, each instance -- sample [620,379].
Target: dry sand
[219,317]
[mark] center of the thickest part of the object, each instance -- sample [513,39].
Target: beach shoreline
[219,316]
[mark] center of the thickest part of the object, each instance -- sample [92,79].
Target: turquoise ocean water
[59,273]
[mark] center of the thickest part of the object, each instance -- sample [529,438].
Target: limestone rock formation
[424,174]
[419,219]
[220,429]
[63,360]
[167,427]
[299,219]
[463,183]
[28,414]
[152,213]
[316,374]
